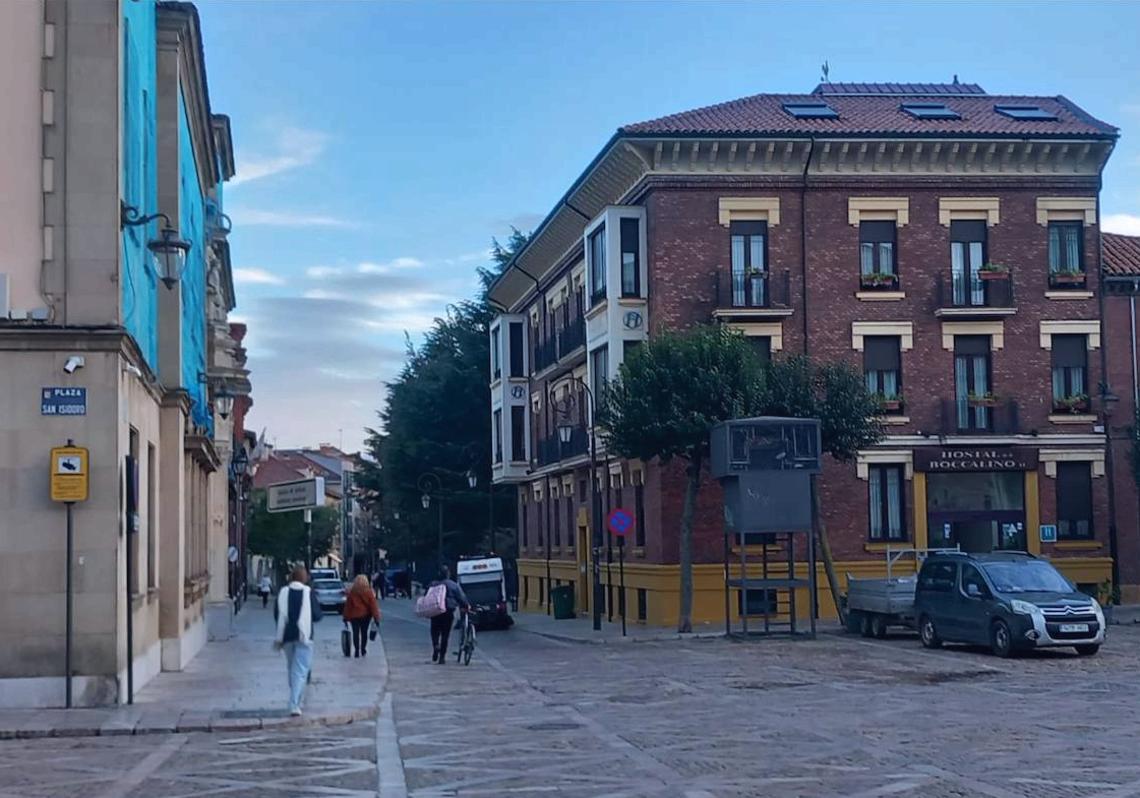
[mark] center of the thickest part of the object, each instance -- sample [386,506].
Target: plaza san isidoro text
[982,458]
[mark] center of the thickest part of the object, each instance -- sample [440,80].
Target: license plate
[1074,627]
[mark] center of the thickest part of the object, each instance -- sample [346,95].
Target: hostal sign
[943,459]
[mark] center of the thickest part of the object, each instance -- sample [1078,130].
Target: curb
[624,641]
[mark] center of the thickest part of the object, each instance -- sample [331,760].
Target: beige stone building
[114,287]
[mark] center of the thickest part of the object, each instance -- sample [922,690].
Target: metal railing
[572,336]
[755,290]
[552,450]
[966,416]
[545,353]
[975,290]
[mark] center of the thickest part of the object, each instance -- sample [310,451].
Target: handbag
[432,603]
[372,630]
[346,640]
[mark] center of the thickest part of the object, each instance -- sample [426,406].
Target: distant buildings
[115,285]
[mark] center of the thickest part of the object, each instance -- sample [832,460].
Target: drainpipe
[803,236]
[1109,464]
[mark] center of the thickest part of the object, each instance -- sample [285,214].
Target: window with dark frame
[1066,255]
[1070,370]
[498,430]
[496,368]
[630,257]
[525,524]
[539,527]
[582,489]
[639,515]
[968,254]
[877,269]
[599,367]
[887,502]
[571,527]
[516,353]
[628,348]
[518,433]
[973,392]
[642,604]
[748,243]
[882,369]
[597,257]
[762,346]
[1074,501]
[151,516]
[555,522]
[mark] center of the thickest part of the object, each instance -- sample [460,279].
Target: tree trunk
[693,470]
[825,551]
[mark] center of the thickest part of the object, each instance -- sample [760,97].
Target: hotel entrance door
[980,512]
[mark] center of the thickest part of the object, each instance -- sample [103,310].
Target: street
[841,716]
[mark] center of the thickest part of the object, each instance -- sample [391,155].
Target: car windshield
[328,584]
[1026,577]
[483,592]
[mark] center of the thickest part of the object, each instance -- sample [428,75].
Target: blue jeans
[298,659]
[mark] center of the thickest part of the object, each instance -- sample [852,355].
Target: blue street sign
[63,402]
[620,521]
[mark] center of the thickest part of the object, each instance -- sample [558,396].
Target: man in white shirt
[296,611]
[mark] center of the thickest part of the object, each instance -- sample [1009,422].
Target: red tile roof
[1121,255]
[878,112]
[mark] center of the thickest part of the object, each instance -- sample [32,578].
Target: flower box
[877,281]
[987,400]
[1071,404]
[1067,278]
[893,405]
[992,275]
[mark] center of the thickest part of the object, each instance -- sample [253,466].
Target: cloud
[390,266]
[257,277]
[294,147]
[250,217]
[1125,223]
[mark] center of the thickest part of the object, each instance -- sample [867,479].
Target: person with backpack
[441,624]
[360,609]
[296,610]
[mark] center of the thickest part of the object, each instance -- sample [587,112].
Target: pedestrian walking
[360,609]
[264,588]
[296,611]
[441,624]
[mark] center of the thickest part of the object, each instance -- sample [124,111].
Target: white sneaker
[295,711]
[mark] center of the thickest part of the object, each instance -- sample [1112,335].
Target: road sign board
[620,521]
[63,401]
[69,474]
[1048,533]
[301,494]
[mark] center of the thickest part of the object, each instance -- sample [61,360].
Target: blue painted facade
[192,225]
[139,175]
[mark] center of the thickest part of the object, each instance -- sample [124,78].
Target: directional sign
[68,474]
[302,494]
[619,521]
[63,401]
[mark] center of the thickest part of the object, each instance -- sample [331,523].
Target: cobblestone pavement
[838,717]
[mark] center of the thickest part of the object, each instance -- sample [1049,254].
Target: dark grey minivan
[1008,601]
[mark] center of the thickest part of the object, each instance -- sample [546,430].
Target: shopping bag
[432,603]
[346,640]
[373,630]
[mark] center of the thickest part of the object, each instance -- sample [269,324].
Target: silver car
[330,593]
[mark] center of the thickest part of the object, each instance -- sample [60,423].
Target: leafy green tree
[281,536]
[674,388]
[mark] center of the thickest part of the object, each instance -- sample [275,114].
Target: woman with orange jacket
[360,608]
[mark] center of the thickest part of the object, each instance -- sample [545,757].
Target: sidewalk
[581,629]
[235,685]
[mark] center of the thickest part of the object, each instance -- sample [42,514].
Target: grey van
[1009,601]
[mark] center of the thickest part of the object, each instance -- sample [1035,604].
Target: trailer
[874,605]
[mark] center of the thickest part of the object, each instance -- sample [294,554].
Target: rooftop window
[930,111]
[809,110]
[1026,112]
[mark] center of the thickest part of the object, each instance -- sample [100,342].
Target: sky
[381,145]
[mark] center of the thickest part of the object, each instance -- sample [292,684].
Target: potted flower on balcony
[755,272]
[982,400]
[1077,403]
[993,271]
[877,280]
[890,404]
[1067,277]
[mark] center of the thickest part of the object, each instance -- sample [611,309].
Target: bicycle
[466,639]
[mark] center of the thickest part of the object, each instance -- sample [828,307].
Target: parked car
[1009,601]
[330,593]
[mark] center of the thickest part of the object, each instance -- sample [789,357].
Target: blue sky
[381,145]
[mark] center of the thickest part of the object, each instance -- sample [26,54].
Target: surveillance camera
[74,363]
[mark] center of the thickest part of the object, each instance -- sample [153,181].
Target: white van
[484,582]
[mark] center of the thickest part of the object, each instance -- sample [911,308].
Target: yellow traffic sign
[69,474]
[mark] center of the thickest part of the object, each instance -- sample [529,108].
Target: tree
[281,536]
[670,392]
[674,388]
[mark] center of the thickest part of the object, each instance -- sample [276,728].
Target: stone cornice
[202,449]
[179,29]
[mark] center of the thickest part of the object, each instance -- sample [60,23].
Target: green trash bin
[563,600]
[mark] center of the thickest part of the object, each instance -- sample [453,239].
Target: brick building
[944,240]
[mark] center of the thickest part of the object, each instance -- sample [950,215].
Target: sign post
[69,485]
[620,521]
[301,494]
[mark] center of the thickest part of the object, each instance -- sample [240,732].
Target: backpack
[432,603]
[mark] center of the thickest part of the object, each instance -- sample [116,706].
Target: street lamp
[169,250]
[240,462]
[472,480]
[428,484]
[224,402]
[565,434]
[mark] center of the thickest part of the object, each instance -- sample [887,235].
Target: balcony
[754,295]
[980,416]
[572,336]
[545,354]
[551,450]
[983,294]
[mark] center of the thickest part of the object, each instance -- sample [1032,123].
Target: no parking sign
[619,521]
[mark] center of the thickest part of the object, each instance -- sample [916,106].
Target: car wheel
[1089,650]
[928,633]
[879,626]
[865,626]
[1001,639]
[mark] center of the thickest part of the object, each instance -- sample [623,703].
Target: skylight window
[811,110]
[1032,112]
[930,111]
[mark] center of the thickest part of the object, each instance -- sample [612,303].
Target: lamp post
[425,484]
[239,464]
[168,249]
[223,401]
[473,483]
[565,435]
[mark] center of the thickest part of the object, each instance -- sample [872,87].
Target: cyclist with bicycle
[441,624]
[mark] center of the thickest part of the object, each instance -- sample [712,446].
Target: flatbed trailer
[874,605]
